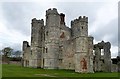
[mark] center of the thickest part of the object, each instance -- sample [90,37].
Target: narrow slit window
[82,27]
[47,33]
[46,50]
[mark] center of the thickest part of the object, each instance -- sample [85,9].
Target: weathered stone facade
[102,62]
[56,46]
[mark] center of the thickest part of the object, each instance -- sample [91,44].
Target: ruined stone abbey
[56,46]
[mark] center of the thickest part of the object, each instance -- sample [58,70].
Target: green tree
[7,52]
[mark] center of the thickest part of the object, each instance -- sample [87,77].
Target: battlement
[80,19]
[51,11]
[34,20]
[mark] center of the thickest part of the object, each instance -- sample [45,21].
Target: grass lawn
[10,70]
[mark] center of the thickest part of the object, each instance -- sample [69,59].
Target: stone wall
[26,54]
[114,68]
[68,55]
[102,63]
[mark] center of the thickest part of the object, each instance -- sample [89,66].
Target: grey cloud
[15,46]
[114,55]
[119,23]
[19,15]
[75,9]
[110,29]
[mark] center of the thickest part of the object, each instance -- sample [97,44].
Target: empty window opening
[46,50]
[102,52]
[82,27]
[44,36]
[47,33]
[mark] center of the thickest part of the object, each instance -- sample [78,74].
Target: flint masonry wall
[68,55]
[102,63]
[52,39]
[26,53]
[36,42]
[83,45]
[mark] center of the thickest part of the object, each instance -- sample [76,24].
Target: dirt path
[45,75]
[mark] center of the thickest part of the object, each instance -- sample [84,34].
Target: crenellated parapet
[80,26]
[51,11]
[102,45]
[80,19]
[34,20]
[52,18]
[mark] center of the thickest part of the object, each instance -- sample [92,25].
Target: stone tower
[36,42]
[52,32]
[80,34]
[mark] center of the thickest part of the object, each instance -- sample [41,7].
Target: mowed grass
[10,70]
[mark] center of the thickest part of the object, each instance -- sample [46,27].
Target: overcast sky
[15,20]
